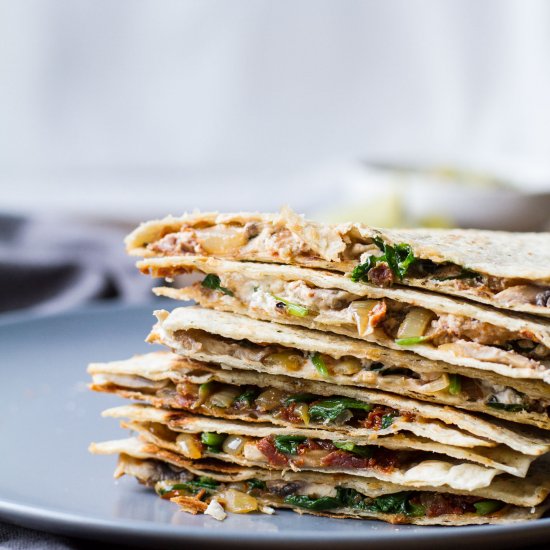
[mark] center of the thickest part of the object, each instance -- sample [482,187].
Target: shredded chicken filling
[354,371]
[385,317]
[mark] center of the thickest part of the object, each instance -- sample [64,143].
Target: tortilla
[163,471]
[506,270]
[215,337]
[529,491]
[460,333]
[493,460]
[153,378]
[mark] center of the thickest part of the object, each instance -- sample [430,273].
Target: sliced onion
[302,410]
[415,323]
[269,399]
[205,390]
[347,366]
[233,444]
[225,397]
[288,360]
[361,312]
[440,383]
[190,446]
[238,502]
[222,240]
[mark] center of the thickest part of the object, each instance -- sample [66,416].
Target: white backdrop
[212,98]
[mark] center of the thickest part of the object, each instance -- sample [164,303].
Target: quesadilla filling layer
[349,370]
[195,493]
[378,320]
[294,452]
[273,405]
[369,260]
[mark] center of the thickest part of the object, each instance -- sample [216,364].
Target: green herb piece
[416,510]
[508,407]
[396,503]
[194,486]
[213,441]
[399,258]
[317,504]
[455,384]
[256,484]
[363,451]
[464,274]
[410,341]
[213,282]
[288,444]
[294,309]
[485,507]
[299,398]
[247,397]
[350,498]
[387,420]
[360,272]
[330,409]
[319,364]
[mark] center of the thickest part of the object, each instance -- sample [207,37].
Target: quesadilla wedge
[436,327]
[195,485]
[505,270]
[235,341]
[239,395]
[166,380]
[406,458]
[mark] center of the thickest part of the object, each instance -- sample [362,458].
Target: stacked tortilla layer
[313,376]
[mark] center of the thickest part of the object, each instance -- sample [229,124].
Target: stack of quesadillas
[341,370]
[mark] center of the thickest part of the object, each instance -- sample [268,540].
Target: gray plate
[49,481]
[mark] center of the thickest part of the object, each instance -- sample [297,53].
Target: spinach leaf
[508,407]
[399,258]
[256,484]
[416,510]
[194,486]
[213,282]
[288,444]
[395,503]
[309,503]
[319,364]
[360,450]
[360,272]
[350,498]
[330,409]
[387,420]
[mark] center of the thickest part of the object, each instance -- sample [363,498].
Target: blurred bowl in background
[395,196]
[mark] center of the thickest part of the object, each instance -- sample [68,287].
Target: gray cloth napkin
[49,266]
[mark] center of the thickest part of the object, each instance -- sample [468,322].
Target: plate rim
[74,524]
